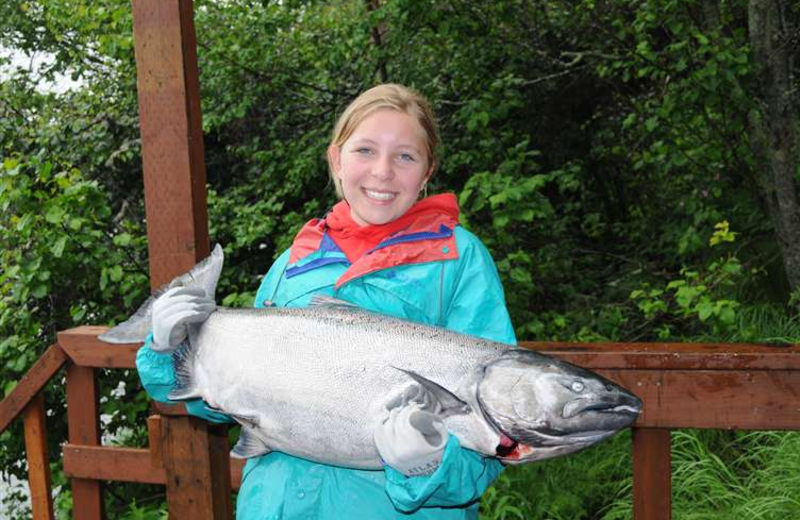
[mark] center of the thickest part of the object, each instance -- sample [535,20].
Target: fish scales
[303,373]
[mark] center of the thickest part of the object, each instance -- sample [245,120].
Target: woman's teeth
[379,195]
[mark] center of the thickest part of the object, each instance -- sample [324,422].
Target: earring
[425,190]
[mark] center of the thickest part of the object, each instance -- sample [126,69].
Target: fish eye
[577,387]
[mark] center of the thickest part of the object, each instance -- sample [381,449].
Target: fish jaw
[549,446]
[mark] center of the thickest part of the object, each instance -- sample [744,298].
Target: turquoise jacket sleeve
[155,368]
[476,307]
[477,304]
[460,480]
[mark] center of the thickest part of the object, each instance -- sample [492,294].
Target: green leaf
[10,163]
[705,310]
[58,246]
[123,239]
[45,171]
[54,214]
[115,273]
[685,296]
[77,313]
[727,314]
[40,290]
[9,386]
[521,275]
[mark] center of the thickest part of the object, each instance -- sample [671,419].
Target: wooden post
[652,474]
[38,464]
[172,137]
[83,418]
[198,479]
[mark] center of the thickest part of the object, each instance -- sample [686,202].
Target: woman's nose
[383,167]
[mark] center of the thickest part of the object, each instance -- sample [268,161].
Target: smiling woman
[382,167]
[382,250]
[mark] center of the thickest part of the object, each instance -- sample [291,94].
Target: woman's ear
[431,170]
[335,158]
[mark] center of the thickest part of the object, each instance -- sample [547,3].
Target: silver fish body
[315,382]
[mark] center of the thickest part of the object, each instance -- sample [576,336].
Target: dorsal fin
[321,300]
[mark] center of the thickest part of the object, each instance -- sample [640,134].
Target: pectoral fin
[450,403]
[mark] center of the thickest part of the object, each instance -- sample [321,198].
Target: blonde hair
[388,96]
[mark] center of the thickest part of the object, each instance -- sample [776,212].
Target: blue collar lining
[444,232]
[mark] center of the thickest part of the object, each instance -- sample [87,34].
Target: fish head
[544,407]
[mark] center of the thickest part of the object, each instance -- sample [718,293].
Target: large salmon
[313,382]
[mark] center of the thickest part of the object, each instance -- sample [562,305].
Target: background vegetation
[631,165]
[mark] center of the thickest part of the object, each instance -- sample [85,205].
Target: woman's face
[382,166]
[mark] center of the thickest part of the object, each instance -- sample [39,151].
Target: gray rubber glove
[411,440]
[173,310]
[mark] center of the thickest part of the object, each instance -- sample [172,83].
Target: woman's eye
[363,151]
[407,157]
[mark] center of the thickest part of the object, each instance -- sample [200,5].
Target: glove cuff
[421,466]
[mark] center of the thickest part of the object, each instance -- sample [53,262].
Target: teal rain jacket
[460,291]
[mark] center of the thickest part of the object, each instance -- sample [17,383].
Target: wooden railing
[743,387]
[187,455]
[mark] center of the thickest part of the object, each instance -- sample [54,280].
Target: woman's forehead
[384,126]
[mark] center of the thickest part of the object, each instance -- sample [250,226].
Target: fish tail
[135,330]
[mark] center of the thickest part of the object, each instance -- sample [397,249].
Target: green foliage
[146,512]
[593,146]
[699,300]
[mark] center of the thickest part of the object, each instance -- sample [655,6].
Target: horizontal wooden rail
[84,349]
[673,356]
[111,463]
[123,465]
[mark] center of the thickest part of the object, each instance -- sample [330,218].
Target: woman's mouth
[380,196]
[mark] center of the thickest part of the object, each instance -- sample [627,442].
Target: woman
[383,250]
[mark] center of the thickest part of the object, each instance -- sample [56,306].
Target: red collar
[424,235]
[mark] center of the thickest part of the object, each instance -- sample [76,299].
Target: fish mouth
[506,447]
[626,407]
[542,445]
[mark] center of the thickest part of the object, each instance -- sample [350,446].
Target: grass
[716,475]
[567,488]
